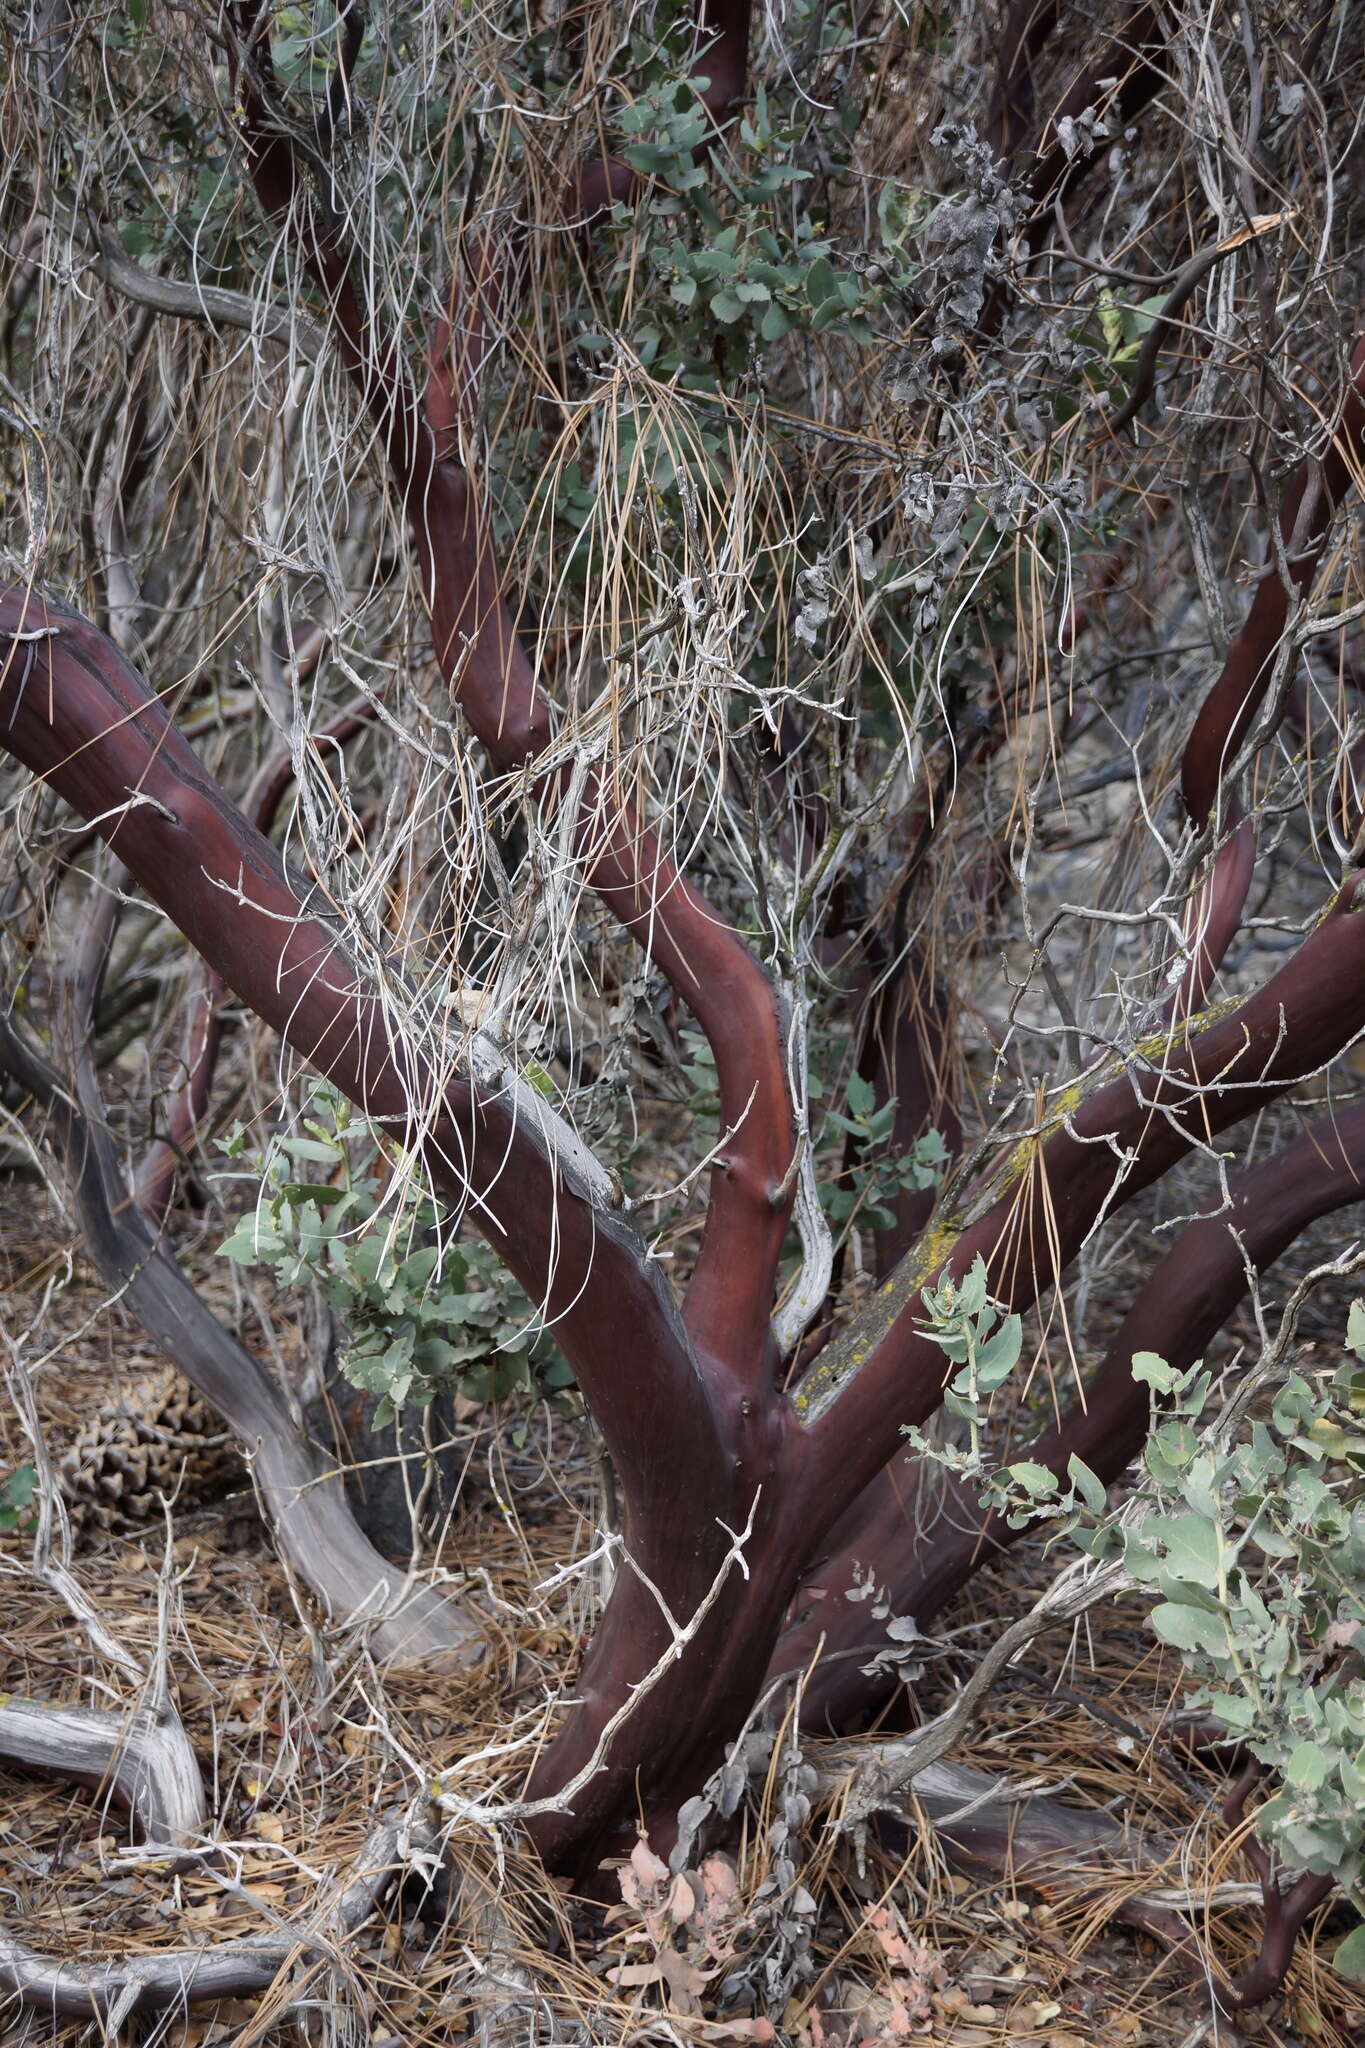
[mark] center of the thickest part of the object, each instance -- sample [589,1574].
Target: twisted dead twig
[114,1991]
[885,1773]
[1187,282]
[210,304]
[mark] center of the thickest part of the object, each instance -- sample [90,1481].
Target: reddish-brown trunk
[696,1451]
[923,1533]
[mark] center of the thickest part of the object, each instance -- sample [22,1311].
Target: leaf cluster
[1255,1552]
[421,1313]
[878,1175]
[16,1498]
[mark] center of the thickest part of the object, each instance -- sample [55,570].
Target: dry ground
[302,1742]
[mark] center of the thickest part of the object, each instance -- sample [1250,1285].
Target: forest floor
[302,1742]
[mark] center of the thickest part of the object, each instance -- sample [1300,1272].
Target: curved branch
[907,1054]
[211,304]
[1188,280]
[1285,1913]
[925,1534]
[154,1181]
[1122,80]
[705,960]
[1225,718]
[1305,520]
[724,27]
[491,678]
[74,711]
[113,1991]
[143,1757]
[1213,915]
[1028,29]
[1030,1217]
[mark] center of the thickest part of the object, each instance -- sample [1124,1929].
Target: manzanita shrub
[800,559]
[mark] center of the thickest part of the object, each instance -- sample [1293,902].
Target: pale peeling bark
[142,1757]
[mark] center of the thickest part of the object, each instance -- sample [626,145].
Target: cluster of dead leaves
[901,2009]
[691,1926]
[916,1973]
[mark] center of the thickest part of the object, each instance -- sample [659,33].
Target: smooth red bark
[73,710]
[477,645]
[924,1533]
